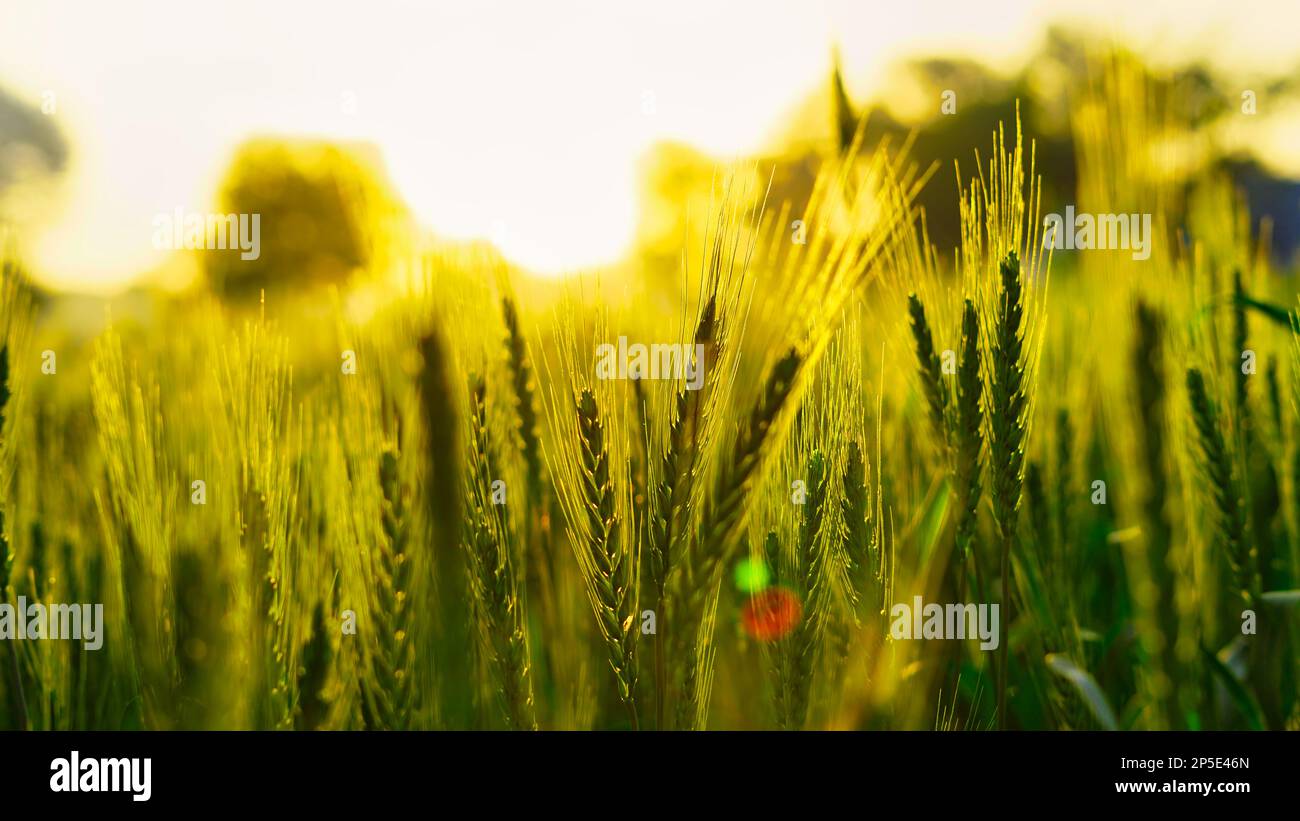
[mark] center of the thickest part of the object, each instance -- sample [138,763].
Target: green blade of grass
[1241,696]
[1087,687]
[1282,598]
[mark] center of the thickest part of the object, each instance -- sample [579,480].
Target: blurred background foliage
[908,109]
[329,210]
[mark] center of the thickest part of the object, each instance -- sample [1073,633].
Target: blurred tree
[32,154]
[326,212]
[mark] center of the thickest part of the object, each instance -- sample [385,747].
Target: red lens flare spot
[771,614]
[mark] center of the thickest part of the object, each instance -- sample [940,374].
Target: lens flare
[771,614]
[751,575]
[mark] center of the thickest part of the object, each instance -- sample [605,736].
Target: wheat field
[442,513]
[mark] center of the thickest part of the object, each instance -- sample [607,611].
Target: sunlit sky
[519,121]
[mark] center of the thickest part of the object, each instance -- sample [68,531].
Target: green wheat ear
[1008,404]
[936,392]
[1230,519]
[521,373]
[857,539]
[608,568]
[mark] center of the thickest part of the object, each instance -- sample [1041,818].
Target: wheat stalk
[723,518]
[1007,406]
[812,573]
[318,659]
[1159,617]
[969,436]
[443,499]
[496,577]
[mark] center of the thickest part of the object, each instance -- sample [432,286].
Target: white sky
[526,116]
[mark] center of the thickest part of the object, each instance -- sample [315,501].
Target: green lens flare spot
[751,575]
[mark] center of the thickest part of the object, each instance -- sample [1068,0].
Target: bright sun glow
[521,123]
